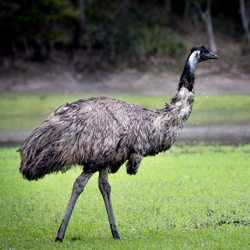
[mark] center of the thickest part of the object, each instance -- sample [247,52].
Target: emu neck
[187,77]
[183,100]
[178,112]
[182,104]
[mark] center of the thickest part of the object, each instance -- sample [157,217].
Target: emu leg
[78,188]
[105,189]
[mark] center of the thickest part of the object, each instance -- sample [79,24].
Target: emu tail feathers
[42,154]
[35,166]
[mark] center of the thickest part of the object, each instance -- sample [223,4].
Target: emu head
[199,54]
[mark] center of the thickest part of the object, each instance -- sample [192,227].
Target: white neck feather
[193,60]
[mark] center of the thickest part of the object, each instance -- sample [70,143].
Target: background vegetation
[95,33]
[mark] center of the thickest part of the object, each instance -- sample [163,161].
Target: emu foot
[58,239]
[116,235]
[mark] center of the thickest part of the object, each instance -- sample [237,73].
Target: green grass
[24,112]
[16,104]
[187,198]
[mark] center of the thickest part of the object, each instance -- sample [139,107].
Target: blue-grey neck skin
[187,76]
[193,61]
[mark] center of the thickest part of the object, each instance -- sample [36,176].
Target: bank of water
[211,127]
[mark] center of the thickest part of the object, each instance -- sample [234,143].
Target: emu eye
[203,53]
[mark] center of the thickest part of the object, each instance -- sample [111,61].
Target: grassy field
[24,112]
[16,104]
[187,198]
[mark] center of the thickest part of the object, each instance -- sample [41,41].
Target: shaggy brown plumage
[103,133]
[100,132]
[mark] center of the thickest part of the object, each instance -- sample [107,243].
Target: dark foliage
[102,30]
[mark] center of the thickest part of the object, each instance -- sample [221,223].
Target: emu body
[100,134]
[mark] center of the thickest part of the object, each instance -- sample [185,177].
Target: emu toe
[58,239]
[116,235]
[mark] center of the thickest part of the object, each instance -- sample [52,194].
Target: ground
[212,78]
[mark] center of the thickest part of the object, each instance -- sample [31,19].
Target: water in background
[210,127]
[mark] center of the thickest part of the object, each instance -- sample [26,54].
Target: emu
[100,134]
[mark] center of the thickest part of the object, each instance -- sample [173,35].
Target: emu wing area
[96,133]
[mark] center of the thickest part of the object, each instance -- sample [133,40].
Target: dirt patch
[210,80]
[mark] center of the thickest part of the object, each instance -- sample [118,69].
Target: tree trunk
[80,23]
[168,6]
[29,51]
[13,46]
[245,21]
[186,10]
[206,17]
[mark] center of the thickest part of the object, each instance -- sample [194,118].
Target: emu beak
[211,56]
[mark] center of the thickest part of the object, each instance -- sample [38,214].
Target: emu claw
[58,239]
[116,235]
